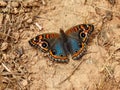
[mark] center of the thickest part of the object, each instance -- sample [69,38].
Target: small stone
[21,11]
[3,4]
[39,26]
[14,4]
[33,63]
[13,56]
[24,82]
[15,11]
[19,51]
[43,2]
[21,30]
[4,46]
[4,56]
[7,17]
[16,36]
[29,21]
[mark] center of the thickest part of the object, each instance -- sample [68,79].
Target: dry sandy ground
[25,68]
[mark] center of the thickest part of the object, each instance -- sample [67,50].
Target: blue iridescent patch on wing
[59,49]
[73,45]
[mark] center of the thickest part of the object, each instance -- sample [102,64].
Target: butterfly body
[60,46]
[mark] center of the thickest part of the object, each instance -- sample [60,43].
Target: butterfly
[59,46]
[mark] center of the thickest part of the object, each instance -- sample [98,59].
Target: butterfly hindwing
[76,48]
[58,52]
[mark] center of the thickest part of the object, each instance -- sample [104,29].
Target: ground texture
[25,68]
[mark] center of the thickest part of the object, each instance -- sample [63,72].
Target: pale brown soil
[25,68]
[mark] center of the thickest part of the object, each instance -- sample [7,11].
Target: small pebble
[24,82]
[39,26]
[16,36]
[29,21]
[15,11]
[14,4]
[3,4]
[4,46]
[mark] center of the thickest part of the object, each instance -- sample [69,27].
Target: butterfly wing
[52,44]
[77,39]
